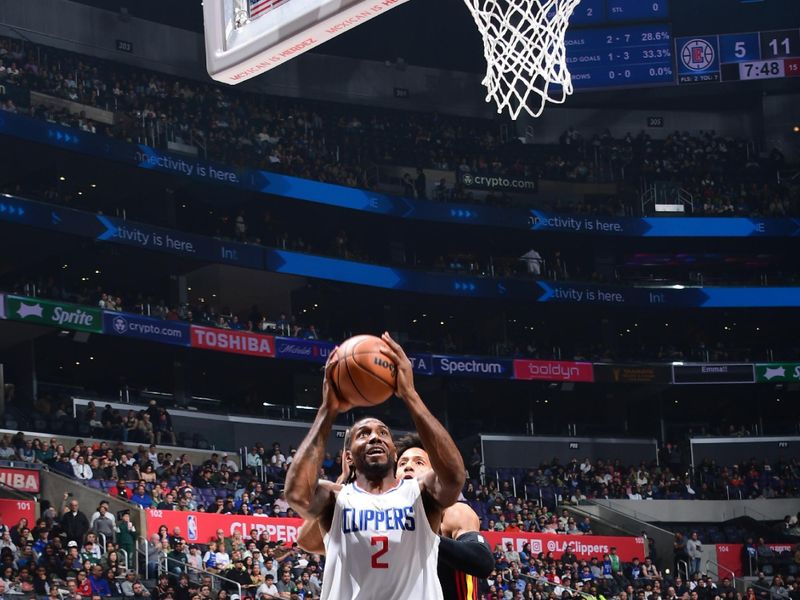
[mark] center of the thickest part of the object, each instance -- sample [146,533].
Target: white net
[523,43]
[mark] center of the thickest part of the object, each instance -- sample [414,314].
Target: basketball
[361,373]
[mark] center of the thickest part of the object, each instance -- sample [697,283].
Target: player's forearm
[309,537]
[444,455]
[469,553]
[302,477]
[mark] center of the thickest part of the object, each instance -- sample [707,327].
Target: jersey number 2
[383,542]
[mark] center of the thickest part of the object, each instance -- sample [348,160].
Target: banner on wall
[584,546]
[777,372]
[24,480]
[553,370]
[498,183]
[146,328]
[298,349]
[730,557]
[237,342]
[713,373]
[200,527]
[611,373]
[13,510]
[55,314]
[472,366]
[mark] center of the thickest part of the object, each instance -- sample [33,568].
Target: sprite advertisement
[54,314]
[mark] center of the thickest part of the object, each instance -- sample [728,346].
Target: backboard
[245,38]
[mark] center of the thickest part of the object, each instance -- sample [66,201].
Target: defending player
[463,553]
[379,531]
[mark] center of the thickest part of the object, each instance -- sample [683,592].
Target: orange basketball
[362,373]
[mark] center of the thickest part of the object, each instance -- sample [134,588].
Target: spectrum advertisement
[472,366]
[268,183]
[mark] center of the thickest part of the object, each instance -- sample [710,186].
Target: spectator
[142,497]
[102,521]
[99,582]
[694,549]
[74,523]
[267,590]
[81,469]
[126,532]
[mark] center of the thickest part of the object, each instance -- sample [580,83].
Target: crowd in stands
[340,143]
[198,311]
[69,550]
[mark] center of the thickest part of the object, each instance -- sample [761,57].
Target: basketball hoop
[523,43]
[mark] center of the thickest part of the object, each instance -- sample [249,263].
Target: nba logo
[191,527]
[697,54]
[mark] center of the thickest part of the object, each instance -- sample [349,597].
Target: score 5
[738,47]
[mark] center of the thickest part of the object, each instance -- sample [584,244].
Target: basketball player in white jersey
[464,555]
[379,531]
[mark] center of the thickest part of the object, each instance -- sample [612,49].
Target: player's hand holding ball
[361,371]
[330,394]
[405,372]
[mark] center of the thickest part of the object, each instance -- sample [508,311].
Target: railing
[124,554]
[142,548]
[719,566]
[685,569]
[164,565]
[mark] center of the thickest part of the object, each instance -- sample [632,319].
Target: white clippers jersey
[381,547]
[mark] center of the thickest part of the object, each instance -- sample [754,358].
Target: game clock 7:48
[761,69]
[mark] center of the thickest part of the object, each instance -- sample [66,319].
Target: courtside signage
[472,366]
[553,370]
[584,546]
[237,342]
[146,328]
[201,527]
[55,314]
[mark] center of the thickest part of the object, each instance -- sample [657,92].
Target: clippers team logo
[120,325]
[697,55]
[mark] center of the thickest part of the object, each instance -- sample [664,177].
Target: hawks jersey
[457,585]
[381,546]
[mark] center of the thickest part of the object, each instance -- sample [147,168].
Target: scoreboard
[600,12]
[629,43]
[738,56]
[622,56]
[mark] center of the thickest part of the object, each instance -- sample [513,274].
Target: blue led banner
[191,246]
[371,202]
